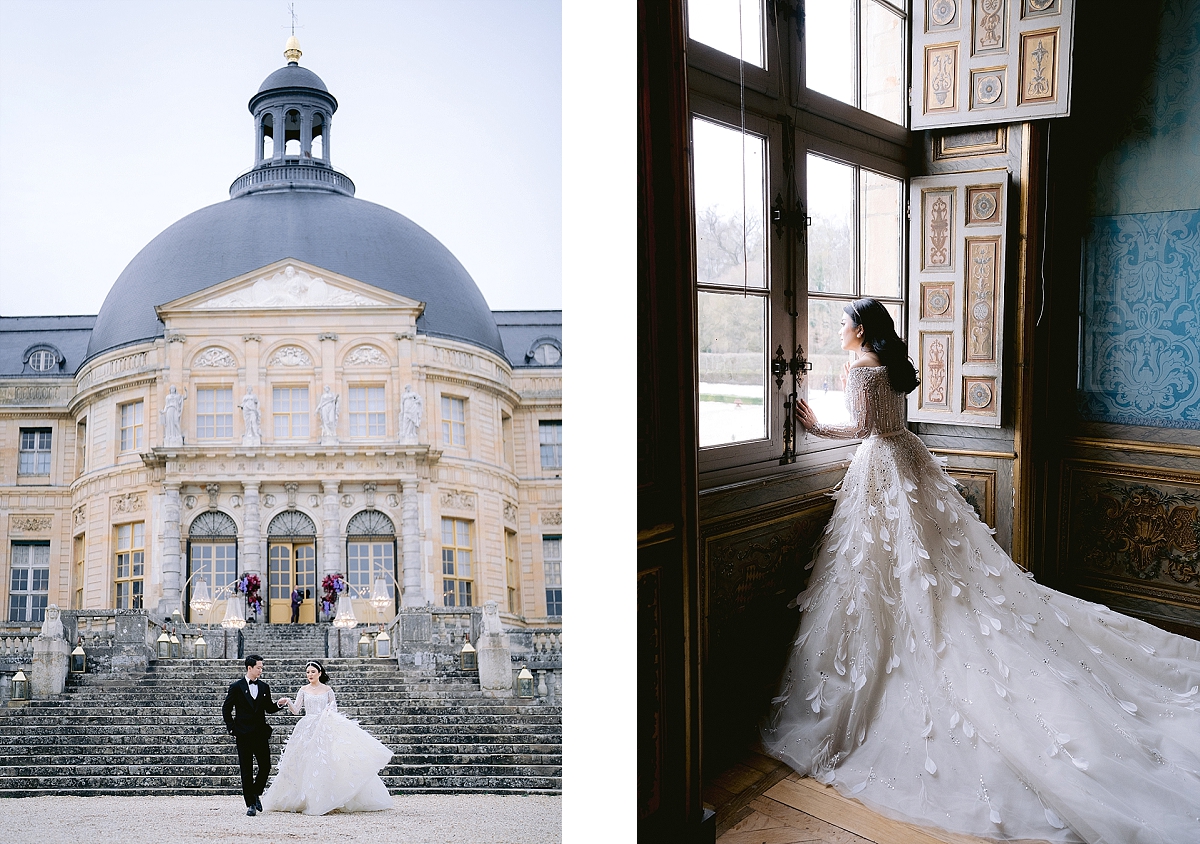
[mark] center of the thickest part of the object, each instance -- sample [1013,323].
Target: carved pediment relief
[291,287]
[289,284]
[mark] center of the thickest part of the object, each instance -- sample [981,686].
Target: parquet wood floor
[761,801]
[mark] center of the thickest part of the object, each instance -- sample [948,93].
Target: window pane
[883,63]
[825,392]
[881,206]
[829,48]
[715,23]
[729,176]
[731,333]
[831,235]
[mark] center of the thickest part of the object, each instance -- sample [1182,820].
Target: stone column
[172,579]
[251,551]
[331,554]
[410,545]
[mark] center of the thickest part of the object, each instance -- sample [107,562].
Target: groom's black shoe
[251,812]
[257,804]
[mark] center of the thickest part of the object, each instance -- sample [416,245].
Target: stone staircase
[161,732]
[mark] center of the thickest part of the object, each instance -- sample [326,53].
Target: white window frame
[136,426]
[450,425]
[215,422]
[292,416]
[552,574]
[34,591]
[367,420]
[38,455]
[556,446]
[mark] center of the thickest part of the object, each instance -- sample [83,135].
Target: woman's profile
[935,681]
[329,762]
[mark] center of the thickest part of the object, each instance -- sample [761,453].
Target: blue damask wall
[1141,360]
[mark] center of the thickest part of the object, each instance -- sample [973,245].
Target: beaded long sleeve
[874,406]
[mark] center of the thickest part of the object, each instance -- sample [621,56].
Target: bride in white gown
[936,682]
[329,762]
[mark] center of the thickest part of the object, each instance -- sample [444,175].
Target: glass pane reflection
[715,23]
[880,208]
[726,252]
[883,63]
[829,48]
[831,235]
[731,331]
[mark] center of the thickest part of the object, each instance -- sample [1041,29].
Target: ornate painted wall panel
[1141,361]
[754,565]
[990,61]
[958,279]
[1134,531]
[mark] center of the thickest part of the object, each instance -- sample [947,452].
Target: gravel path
[414,819]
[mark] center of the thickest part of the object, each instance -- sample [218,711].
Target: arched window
[544,351]
[292,524]
[212,553]
[268,137]
[371,552]
[291,134]
[318,136]
[43,358]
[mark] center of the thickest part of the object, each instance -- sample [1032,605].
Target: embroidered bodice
[875,408]
[313,704]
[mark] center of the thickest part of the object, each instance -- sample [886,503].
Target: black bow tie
[253,682]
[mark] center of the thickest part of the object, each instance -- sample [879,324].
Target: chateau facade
[290,384]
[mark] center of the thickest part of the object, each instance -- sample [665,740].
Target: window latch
[785,219]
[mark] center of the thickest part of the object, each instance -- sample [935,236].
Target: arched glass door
[212,557]
[291,564]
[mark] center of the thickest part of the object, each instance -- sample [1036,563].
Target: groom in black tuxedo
[246,707]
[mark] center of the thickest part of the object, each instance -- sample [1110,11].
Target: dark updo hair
[324,678]
[879,336]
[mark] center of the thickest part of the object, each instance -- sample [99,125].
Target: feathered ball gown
[936,682]
[329,763]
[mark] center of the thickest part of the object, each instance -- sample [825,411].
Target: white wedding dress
[328,764]
[936,682]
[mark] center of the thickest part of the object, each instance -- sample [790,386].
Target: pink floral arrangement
[334,585]
[249,585]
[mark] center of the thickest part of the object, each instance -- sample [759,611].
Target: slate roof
[520,331]
[68,334]
[359,239]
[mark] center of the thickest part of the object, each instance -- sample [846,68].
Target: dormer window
[43,358]
[545,351]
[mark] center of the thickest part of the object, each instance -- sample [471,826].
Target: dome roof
[292,76]
[355,238]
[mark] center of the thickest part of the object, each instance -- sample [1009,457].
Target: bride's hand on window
[805,415]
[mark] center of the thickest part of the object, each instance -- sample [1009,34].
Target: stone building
[290,384]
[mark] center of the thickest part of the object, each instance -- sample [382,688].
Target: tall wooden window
[29,582]
[130,564]
[132,426]
[80,558]
[34,452]
[454,421]
[552,567]
[214,412]
[550,440]
[456,563]
[290,412]
[368,413]
[512,568]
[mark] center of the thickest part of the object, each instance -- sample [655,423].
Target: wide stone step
[228,766]
[396,785]
[85,735]
[447,754]
[467,779]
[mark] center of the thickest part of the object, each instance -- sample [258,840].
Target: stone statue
[172,414]
[52,627]
[327,409]
[411,408]
[252,417]
[492,626]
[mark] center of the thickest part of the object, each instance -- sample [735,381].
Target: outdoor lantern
[345,617]
[202,600]
[234,617]
[380,599]
[78,660]
[467,658]
[164,645]
[20,686]
[524,683]
[383,645]
[364,645]
[176,648]
[201,648]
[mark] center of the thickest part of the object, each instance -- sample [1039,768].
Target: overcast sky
[119,117]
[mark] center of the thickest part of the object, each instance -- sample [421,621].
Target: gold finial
[291,50]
